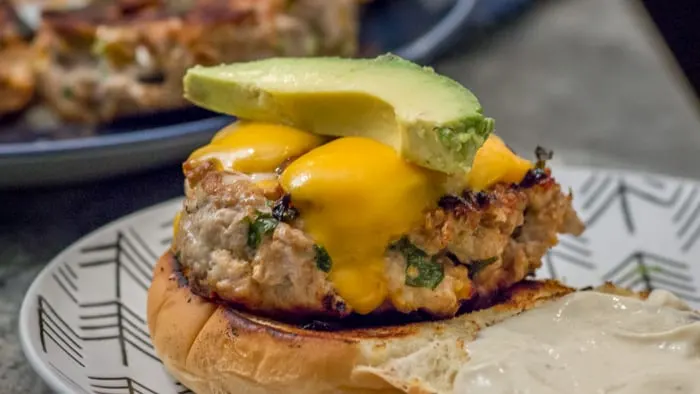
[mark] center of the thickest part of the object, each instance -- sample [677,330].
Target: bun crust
[214,349]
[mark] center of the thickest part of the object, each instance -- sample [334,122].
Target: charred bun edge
[214,349]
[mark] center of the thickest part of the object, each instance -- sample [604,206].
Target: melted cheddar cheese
[495,163]
[176,224]
[357,195]
[256,147]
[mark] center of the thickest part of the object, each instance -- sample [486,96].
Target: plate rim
[42,368]
[42,148]
[424,48]
[28,305]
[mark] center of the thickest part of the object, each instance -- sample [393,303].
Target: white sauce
[588,342]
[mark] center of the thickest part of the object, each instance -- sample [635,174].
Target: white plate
[82,323]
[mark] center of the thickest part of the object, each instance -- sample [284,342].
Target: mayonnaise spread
[588,342]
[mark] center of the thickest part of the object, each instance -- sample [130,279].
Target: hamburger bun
[213,348]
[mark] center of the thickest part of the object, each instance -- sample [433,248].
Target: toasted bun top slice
[213,348]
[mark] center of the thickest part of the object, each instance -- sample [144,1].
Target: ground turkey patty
[485,242]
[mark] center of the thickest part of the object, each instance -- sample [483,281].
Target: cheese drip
[252,147]
[356,196]
[495,163]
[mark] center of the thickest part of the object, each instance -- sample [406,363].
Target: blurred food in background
[17,80]
[96,61]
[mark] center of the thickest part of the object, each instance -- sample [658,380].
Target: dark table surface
[581,77]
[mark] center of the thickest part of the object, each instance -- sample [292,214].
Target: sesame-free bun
[215,349]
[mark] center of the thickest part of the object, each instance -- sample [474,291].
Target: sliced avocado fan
[429,119]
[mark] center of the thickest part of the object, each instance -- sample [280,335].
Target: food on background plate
[17,80]
[10,29]
[357,230]
[111,59]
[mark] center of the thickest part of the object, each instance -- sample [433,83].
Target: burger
[353,229]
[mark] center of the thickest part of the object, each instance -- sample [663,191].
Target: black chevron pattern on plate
[68,379]
[112,320]
[648,271]
[169,238]
[53,328]
[686,220]
[570,250]
[118,385]
[592,188]
[66,278]
[151,255]
[131,256]
[600,193]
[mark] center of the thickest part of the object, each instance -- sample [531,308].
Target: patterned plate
[83,323]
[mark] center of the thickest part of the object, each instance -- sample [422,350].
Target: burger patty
[484,242]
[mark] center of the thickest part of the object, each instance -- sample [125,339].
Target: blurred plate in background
[417,30]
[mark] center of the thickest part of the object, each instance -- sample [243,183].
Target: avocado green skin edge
[452,145]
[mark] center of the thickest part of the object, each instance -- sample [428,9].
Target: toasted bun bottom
[214,349]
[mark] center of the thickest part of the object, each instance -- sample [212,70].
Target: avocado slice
[431,120]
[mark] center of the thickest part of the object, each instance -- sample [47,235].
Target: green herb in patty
[263,224]
[323,259]
[421,269]
[67,93]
